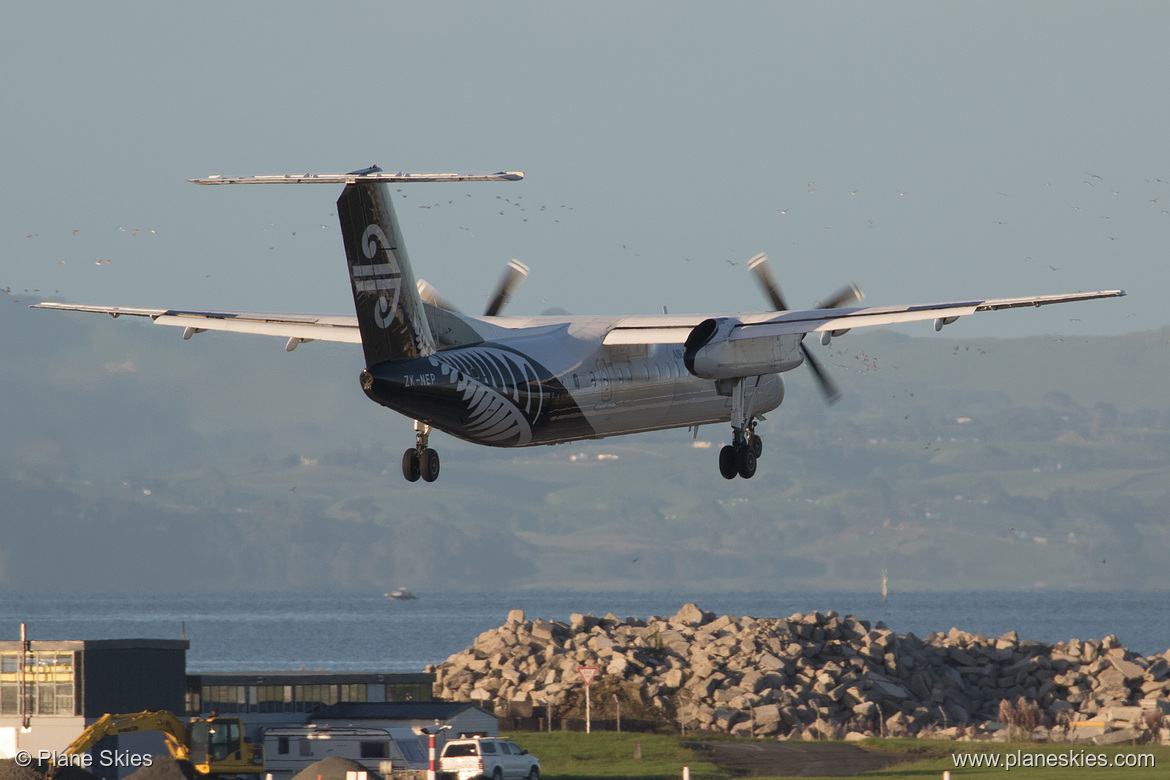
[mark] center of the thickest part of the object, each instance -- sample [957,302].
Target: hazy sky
[926,151]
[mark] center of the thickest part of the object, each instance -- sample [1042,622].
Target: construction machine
[214,746]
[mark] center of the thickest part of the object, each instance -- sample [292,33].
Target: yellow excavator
[214,746]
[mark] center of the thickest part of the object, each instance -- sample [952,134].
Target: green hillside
[961,464]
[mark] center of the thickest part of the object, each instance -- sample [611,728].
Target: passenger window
[505,749]
[487,748]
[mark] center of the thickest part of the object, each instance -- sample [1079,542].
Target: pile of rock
[813,676]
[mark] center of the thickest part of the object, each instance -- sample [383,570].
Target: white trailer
[390,752]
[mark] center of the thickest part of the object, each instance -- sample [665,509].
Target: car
[497,759]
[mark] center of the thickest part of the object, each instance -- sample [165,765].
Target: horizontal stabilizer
[362,176]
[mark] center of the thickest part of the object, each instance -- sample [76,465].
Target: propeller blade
[758,265]
[828,386]
[515,273]
[847,296]
[430,295]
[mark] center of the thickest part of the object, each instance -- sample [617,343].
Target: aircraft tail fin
[391,318]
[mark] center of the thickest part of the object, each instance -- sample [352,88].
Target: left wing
[297,328]
[644,330]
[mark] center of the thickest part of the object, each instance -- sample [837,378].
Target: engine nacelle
[716,350]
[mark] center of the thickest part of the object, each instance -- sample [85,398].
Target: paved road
[796,759]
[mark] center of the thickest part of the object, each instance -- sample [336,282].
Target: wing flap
[646,336]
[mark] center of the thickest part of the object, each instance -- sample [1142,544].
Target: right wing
[297,328]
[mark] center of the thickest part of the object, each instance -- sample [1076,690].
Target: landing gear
[739,457]
[421,461]
[739,460]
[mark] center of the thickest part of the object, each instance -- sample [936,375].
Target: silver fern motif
[502,391]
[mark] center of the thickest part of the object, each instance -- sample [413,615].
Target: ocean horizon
[232,632]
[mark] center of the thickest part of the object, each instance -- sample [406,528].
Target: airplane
[515,381]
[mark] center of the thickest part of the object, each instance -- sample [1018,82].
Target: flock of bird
[1121,205]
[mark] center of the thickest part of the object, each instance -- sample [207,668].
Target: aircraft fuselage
[556,383]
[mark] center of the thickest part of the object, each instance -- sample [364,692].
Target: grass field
[576,756]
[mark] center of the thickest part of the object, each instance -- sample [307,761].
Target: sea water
[356,632]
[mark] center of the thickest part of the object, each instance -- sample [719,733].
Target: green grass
[575,756]
[568,755]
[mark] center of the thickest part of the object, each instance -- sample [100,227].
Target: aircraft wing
[655,329]
[818,320]
[297,328]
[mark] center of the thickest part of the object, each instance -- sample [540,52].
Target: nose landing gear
[421,461]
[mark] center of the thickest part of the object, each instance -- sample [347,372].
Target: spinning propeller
[844,297]
[514,274]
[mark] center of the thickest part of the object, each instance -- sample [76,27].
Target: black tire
[727,462]
[411,468]
[498,774]
[757,445]
[745,461]
[429,465]
[534,773]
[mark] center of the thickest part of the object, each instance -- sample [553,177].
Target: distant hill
[131,458]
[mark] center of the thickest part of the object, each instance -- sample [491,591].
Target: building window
[49,683]
[375,750]
[282,745]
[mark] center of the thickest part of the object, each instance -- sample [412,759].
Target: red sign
[588,673]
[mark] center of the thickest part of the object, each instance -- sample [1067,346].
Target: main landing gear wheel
[411,465]
[727,465]
[429,465]
[421,461]
[745,461]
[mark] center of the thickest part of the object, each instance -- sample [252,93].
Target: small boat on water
[400,594]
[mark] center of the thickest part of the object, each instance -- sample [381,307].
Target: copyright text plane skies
[508,381]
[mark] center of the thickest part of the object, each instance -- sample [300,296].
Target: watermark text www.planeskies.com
[1063,759]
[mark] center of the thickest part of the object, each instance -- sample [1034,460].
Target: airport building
[51,691]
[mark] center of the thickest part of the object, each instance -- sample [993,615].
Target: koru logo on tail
[382,278]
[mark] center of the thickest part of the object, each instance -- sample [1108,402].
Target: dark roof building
[465,719]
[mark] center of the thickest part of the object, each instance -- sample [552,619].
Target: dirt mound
[164,768]
[74,773]
[331,768]
[10,770]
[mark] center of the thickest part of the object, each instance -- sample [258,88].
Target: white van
[389,752]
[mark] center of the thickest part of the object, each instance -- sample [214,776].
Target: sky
[925,151]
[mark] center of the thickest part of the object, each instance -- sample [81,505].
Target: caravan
[391,752]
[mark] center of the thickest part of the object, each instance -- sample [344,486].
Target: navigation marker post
[587,674]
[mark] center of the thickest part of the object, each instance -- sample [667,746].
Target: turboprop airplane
[522,381]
